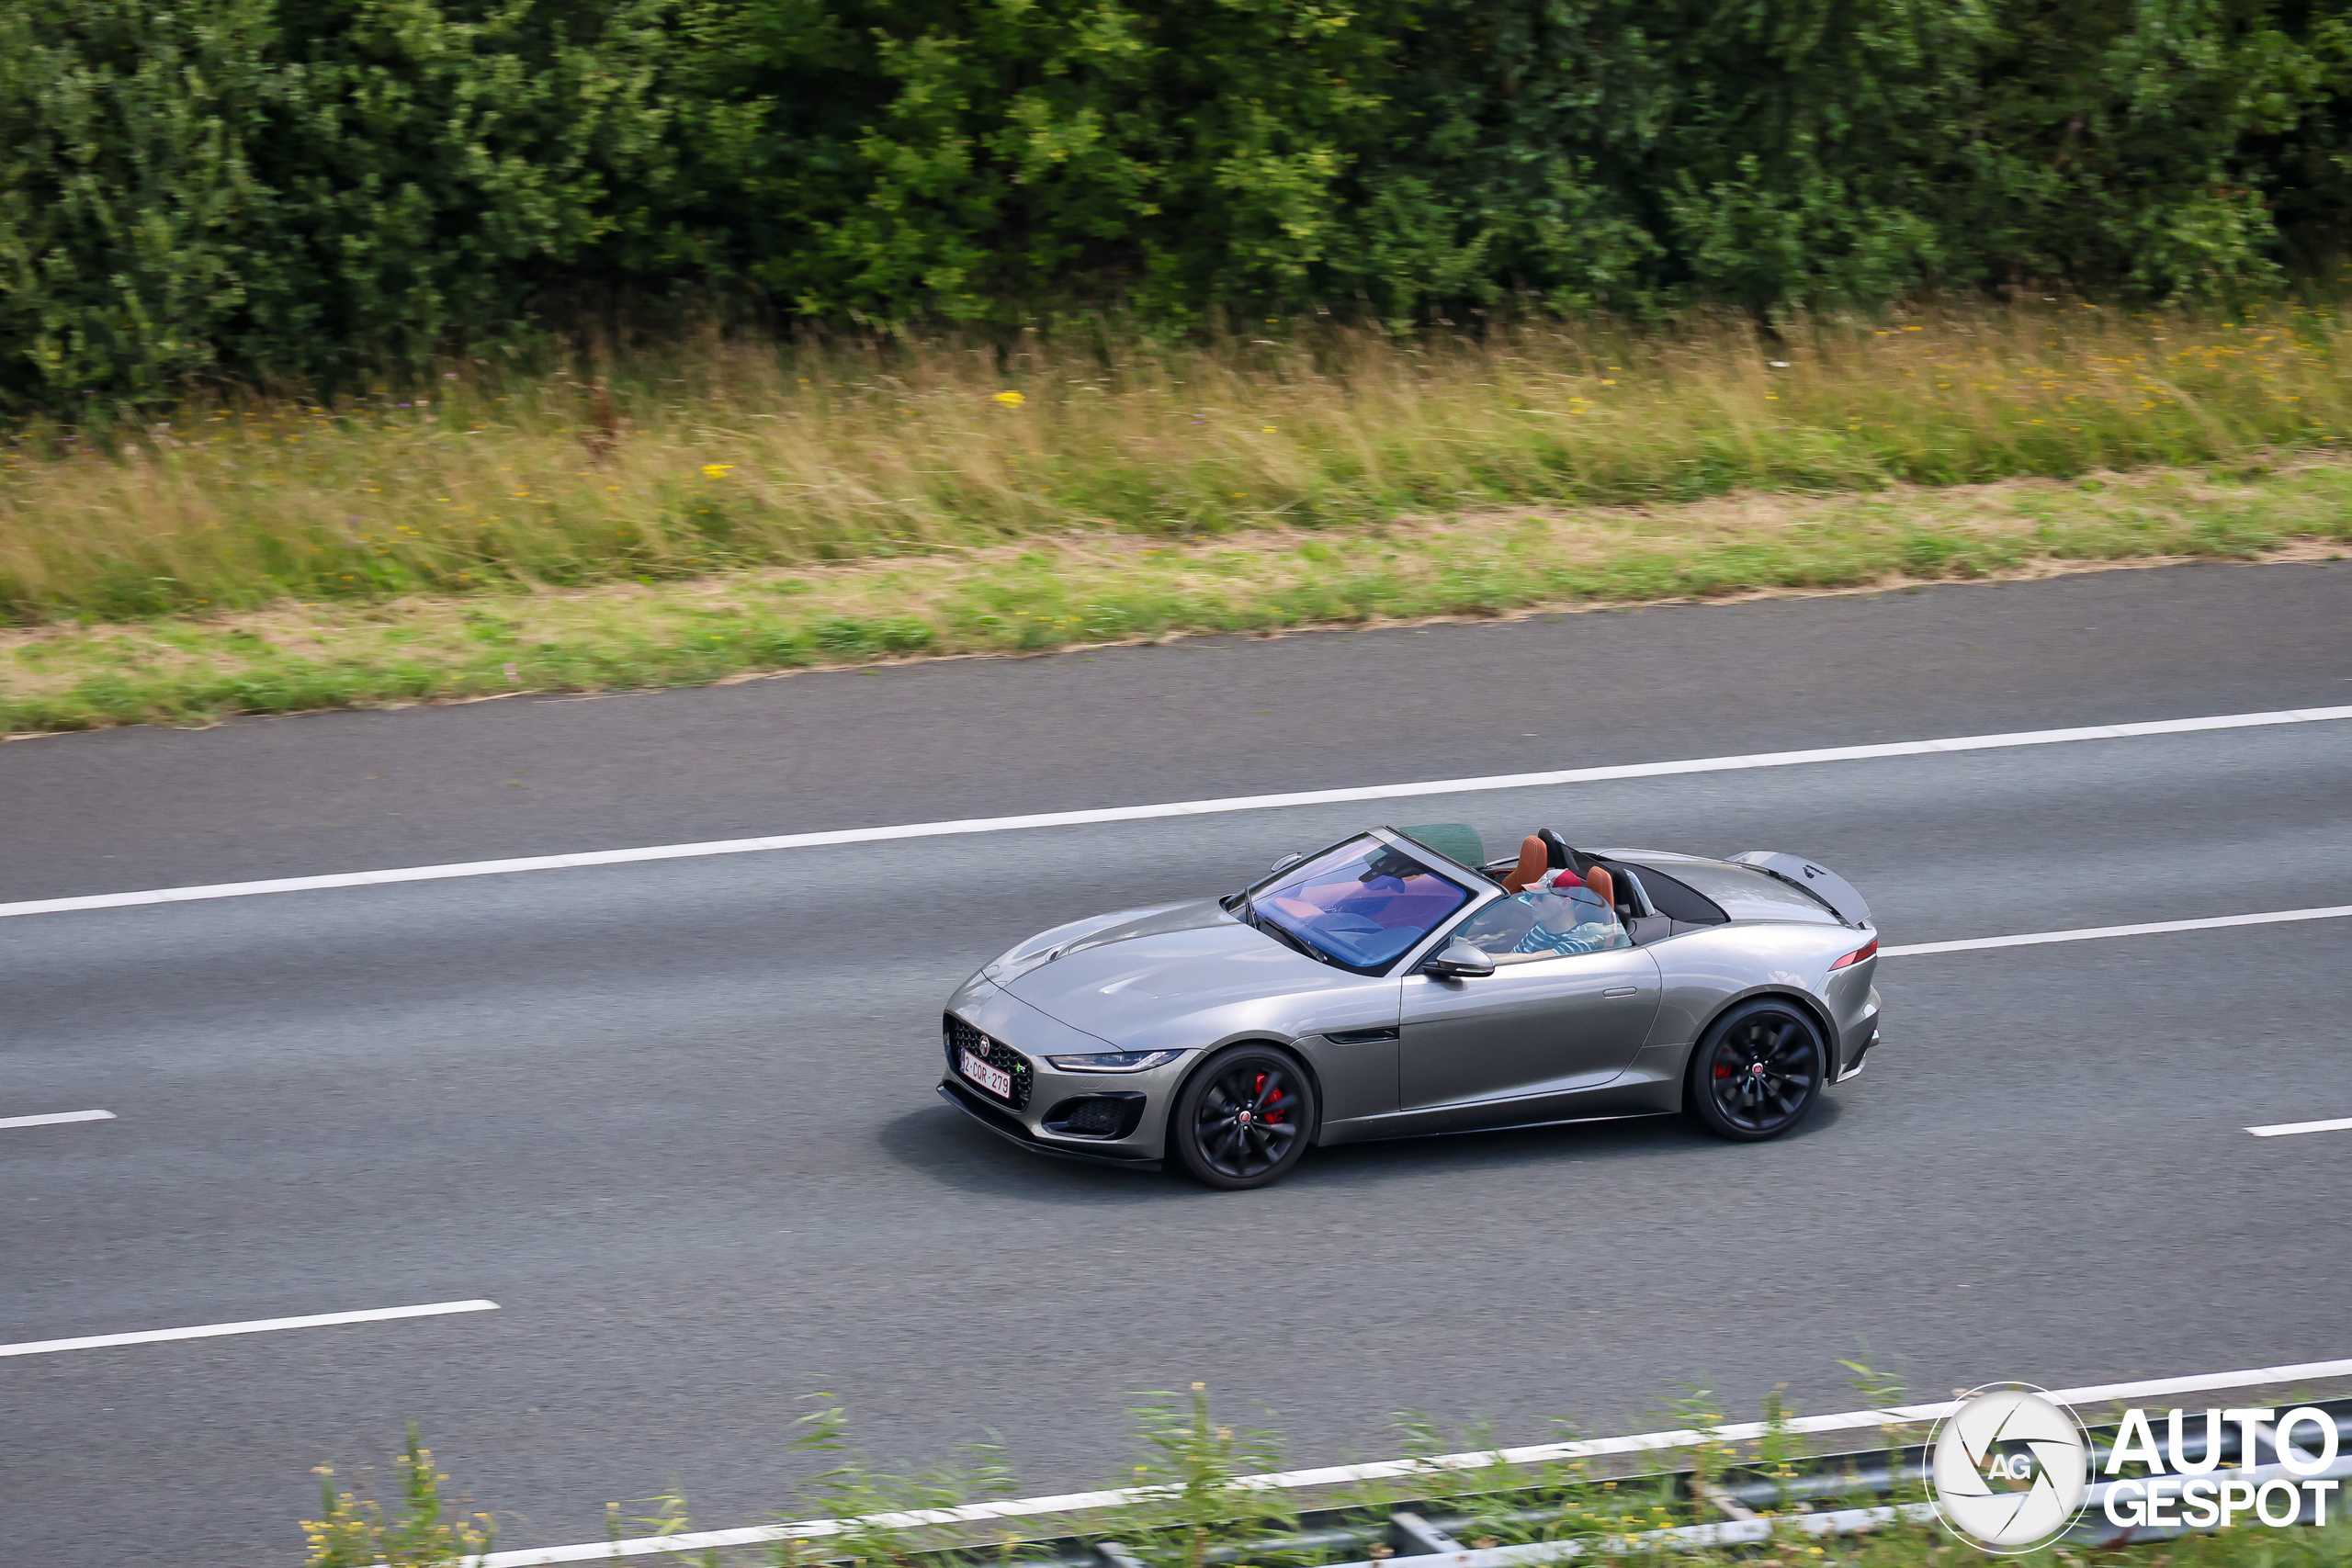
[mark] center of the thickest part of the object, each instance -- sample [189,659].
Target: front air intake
[1096,1116]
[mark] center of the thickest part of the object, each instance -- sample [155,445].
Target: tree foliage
[334,188]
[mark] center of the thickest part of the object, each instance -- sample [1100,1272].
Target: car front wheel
[1244,1118]
[1757,1073]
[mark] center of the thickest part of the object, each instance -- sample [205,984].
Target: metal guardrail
[1755,1509]
[1816,1494]
[1813,1496]
[1744,1526]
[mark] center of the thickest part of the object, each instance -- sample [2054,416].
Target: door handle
[1621,991]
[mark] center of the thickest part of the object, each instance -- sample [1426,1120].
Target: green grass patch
[1076,589]
[726,458]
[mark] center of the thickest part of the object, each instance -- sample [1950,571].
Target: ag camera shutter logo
[2008,1467]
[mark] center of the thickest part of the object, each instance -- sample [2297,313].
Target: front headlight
[1115,1061]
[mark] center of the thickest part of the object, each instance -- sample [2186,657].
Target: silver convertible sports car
[1400,983]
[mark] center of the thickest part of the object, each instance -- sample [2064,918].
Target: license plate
[996,1080]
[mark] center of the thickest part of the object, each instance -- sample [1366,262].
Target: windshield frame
[1480,890]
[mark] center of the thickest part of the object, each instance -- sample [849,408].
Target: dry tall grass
[725,454]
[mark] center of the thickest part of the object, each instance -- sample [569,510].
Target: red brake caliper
[1270,1113]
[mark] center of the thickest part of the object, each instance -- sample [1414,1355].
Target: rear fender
[1809,1005]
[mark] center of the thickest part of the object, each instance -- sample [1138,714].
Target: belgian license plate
[996,1080]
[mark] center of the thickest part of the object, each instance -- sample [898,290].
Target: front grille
[960,1037]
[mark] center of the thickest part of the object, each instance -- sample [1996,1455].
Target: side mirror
[1458,961]
[1287,861]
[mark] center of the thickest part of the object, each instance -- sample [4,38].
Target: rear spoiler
[1821,883]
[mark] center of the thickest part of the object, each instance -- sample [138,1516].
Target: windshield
[1359,905]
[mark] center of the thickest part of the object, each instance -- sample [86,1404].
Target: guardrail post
[1422,1538]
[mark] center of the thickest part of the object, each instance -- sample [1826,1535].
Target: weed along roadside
[1059,592]
[747,511]
[1858,1490]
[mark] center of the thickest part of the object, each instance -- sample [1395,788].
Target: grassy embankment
[1188,1512]
[734,510]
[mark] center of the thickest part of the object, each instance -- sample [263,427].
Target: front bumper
[1011,1128]
[1127,1132]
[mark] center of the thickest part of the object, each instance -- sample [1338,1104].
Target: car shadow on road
[947,1147]
[1564,1144]
[940,1143]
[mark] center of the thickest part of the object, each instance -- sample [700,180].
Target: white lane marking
[1172,808]
[2286,1129]
[55,1117]
[259,1326]
[2099,934]
[1343,1474]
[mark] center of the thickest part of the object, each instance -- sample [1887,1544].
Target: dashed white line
[2287,1129]
[1174,808]
[2099,934]
[54,1117]
[259,1326]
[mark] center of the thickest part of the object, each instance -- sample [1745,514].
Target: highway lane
[1206,717]
[676,1119]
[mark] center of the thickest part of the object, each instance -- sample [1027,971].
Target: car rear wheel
[1244,1118]
[1757,1073]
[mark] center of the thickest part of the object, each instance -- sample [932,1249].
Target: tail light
[1868,950]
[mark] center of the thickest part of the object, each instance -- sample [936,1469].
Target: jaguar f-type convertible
[1393,985]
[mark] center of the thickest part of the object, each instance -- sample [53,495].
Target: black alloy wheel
[1244,1118]
[1757,1073]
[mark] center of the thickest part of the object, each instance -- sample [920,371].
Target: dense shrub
[321,188]
[323,191]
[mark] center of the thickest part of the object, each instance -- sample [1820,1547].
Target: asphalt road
[677,1116]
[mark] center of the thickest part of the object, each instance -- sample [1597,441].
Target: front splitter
[1013,1131]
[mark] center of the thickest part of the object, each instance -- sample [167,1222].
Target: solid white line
[260,1325]
[2286,1129]
[2099,933]
[54,1118]
[1174,808]
[1334,1475]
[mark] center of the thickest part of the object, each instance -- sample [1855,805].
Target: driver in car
[1543,864]
[1573,913]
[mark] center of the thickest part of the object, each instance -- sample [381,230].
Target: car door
[1534,1031]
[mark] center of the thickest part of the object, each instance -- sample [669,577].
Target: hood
[1132,977]
[1048,945]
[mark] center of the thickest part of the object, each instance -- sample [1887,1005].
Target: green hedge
[331,189]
